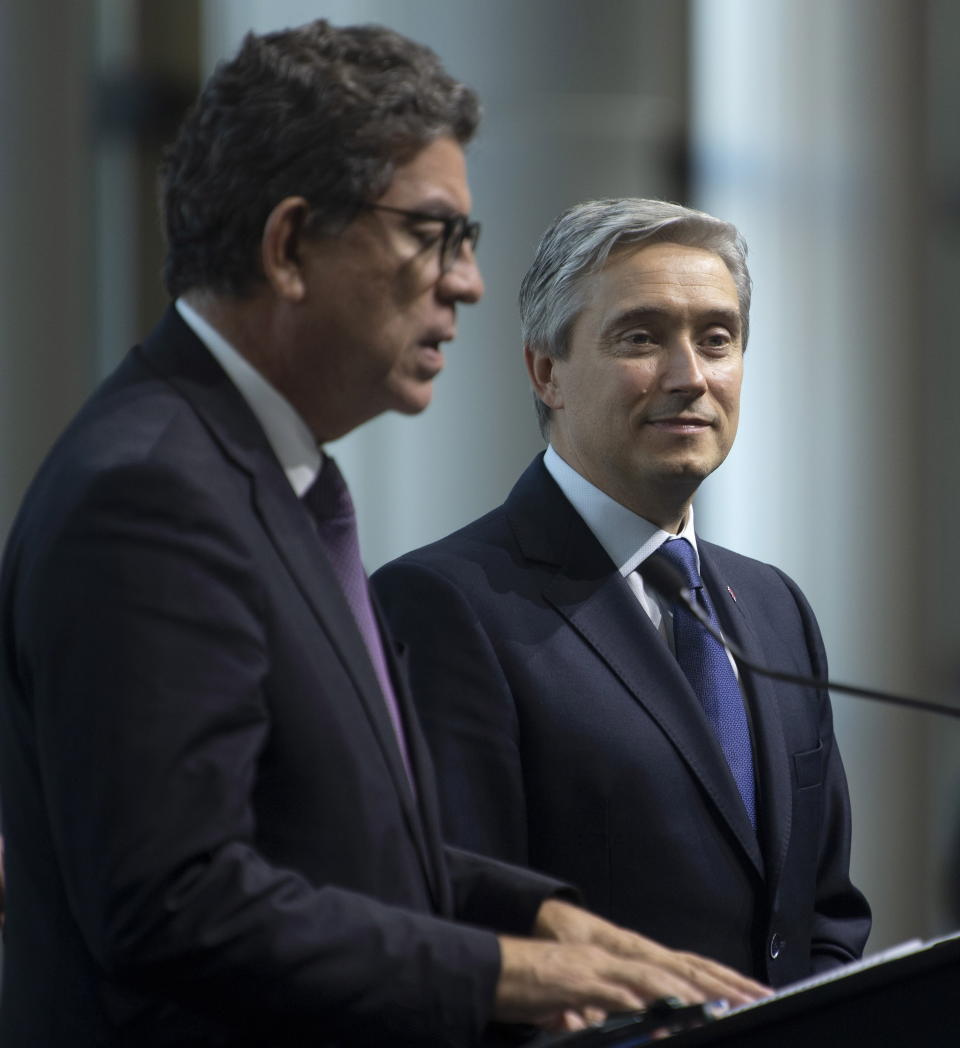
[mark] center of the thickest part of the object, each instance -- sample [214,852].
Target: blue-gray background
[825,130]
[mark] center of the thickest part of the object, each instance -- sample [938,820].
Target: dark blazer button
[777,943]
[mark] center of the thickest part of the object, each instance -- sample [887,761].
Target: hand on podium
[579,968]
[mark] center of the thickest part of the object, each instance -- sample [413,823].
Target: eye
[718,340]
[639,337]
[428,232]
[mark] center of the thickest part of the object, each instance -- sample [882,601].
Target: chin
[413,400]
[688,475]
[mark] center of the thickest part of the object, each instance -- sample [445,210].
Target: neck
[665,505]
[237,319]
[266,338]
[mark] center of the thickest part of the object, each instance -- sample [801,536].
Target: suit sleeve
[142,641]
[500,895]
[466,708]
[841,920]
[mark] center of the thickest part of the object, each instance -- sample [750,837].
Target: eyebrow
[434,208]
[727,317]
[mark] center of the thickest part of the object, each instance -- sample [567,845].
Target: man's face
[378,308]
[646,403]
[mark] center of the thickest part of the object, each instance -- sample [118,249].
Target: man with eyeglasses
[221,825]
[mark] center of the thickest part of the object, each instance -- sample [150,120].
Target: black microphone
[661,575]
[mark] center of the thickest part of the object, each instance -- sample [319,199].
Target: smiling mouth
[681,423]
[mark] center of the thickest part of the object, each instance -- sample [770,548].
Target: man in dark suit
[221,826]
[552,683]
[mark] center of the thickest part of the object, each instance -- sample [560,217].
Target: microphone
[658,573]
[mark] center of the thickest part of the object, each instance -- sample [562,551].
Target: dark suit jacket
[566,736]
[210,836]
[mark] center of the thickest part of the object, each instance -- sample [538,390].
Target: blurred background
[825,129]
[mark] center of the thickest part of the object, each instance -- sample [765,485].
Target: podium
[905,998]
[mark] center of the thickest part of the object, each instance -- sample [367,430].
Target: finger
[650,982]
[713,979]
[718,981]
[594,1016]
[616,994]
[572,1021]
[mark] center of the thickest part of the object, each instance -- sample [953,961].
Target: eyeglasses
[457,230]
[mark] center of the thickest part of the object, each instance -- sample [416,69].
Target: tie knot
[328,496]
[682,556]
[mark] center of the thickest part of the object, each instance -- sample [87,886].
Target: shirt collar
[627,537]
[286,432]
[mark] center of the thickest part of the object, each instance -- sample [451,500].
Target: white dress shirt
[627,538]
[301,460]
[287,433]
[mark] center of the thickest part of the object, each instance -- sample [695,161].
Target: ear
[281,248]
[542,370]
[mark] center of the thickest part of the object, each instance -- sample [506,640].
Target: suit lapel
[296,540]
[176,352]
[426,829]
[773,761]
[585,588]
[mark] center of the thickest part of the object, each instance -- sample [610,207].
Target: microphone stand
[662,576]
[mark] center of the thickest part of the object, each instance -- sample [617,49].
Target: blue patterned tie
[329,501]
[706,665]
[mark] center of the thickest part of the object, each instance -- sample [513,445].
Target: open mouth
[430,357]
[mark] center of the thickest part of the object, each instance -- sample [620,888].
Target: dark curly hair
[321,112]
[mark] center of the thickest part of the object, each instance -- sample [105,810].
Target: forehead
[436,175]
[662,275]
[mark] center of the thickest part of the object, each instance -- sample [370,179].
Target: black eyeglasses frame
[457,230]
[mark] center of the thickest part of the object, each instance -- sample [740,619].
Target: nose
[462,282]
[682,369]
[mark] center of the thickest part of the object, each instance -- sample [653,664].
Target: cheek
[410,289]
[617,408]
[411,319]
[631,387]
[600,395]
[603,397]
[725,386]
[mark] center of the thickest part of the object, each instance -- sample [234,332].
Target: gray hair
[580,241]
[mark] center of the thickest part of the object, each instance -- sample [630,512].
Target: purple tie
[704,661]
[329,501]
